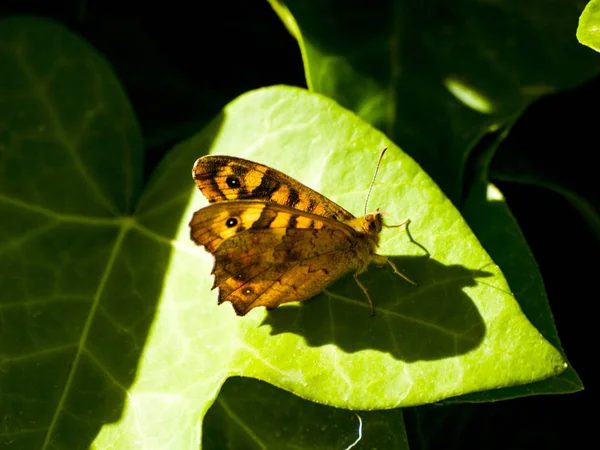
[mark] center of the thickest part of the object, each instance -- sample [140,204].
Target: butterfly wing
[222,178]
[268,254]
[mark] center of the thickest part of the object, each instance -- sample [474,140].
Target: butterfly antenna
[374,176]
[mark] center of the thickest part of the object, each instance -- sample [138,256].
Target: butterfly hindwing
[267,254]
[270,285]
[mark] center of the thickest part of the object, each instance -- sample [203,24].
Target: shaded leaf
[244,414]
[490,217]
[546,164]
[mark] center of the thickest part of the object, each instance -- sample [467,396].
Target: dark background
[180,64]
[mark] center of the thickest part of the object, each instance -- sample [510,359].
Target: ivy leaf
[70,176]
[245,411]
[587,31]
[491,219]
[437,82]
[111,335]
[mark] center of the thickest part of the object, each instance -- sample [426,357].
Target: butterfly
[276,240]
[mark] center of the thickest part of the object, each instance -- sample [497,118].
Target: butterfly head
[372,223]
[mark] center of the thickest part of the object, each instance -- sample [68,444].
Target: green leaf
[492,221]
[436,78]
[450,322]
[520,163]
[244,414]
[589,24]
[111,335]
[351,72]
[70,172]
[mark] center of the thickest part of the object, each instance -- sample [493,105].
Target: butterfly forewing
[223,178]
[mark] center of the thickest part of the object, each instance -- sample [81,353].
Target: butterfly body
[275,240]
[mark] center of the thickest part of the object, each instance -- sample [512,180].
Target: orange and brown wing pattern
[267,254]
[223,178]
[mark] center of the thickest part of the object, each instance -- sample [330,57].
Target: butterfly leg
[406,222]
[364,289]
[381,260]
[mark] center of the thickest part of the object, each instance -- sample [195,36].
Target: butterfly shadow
[434,320]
